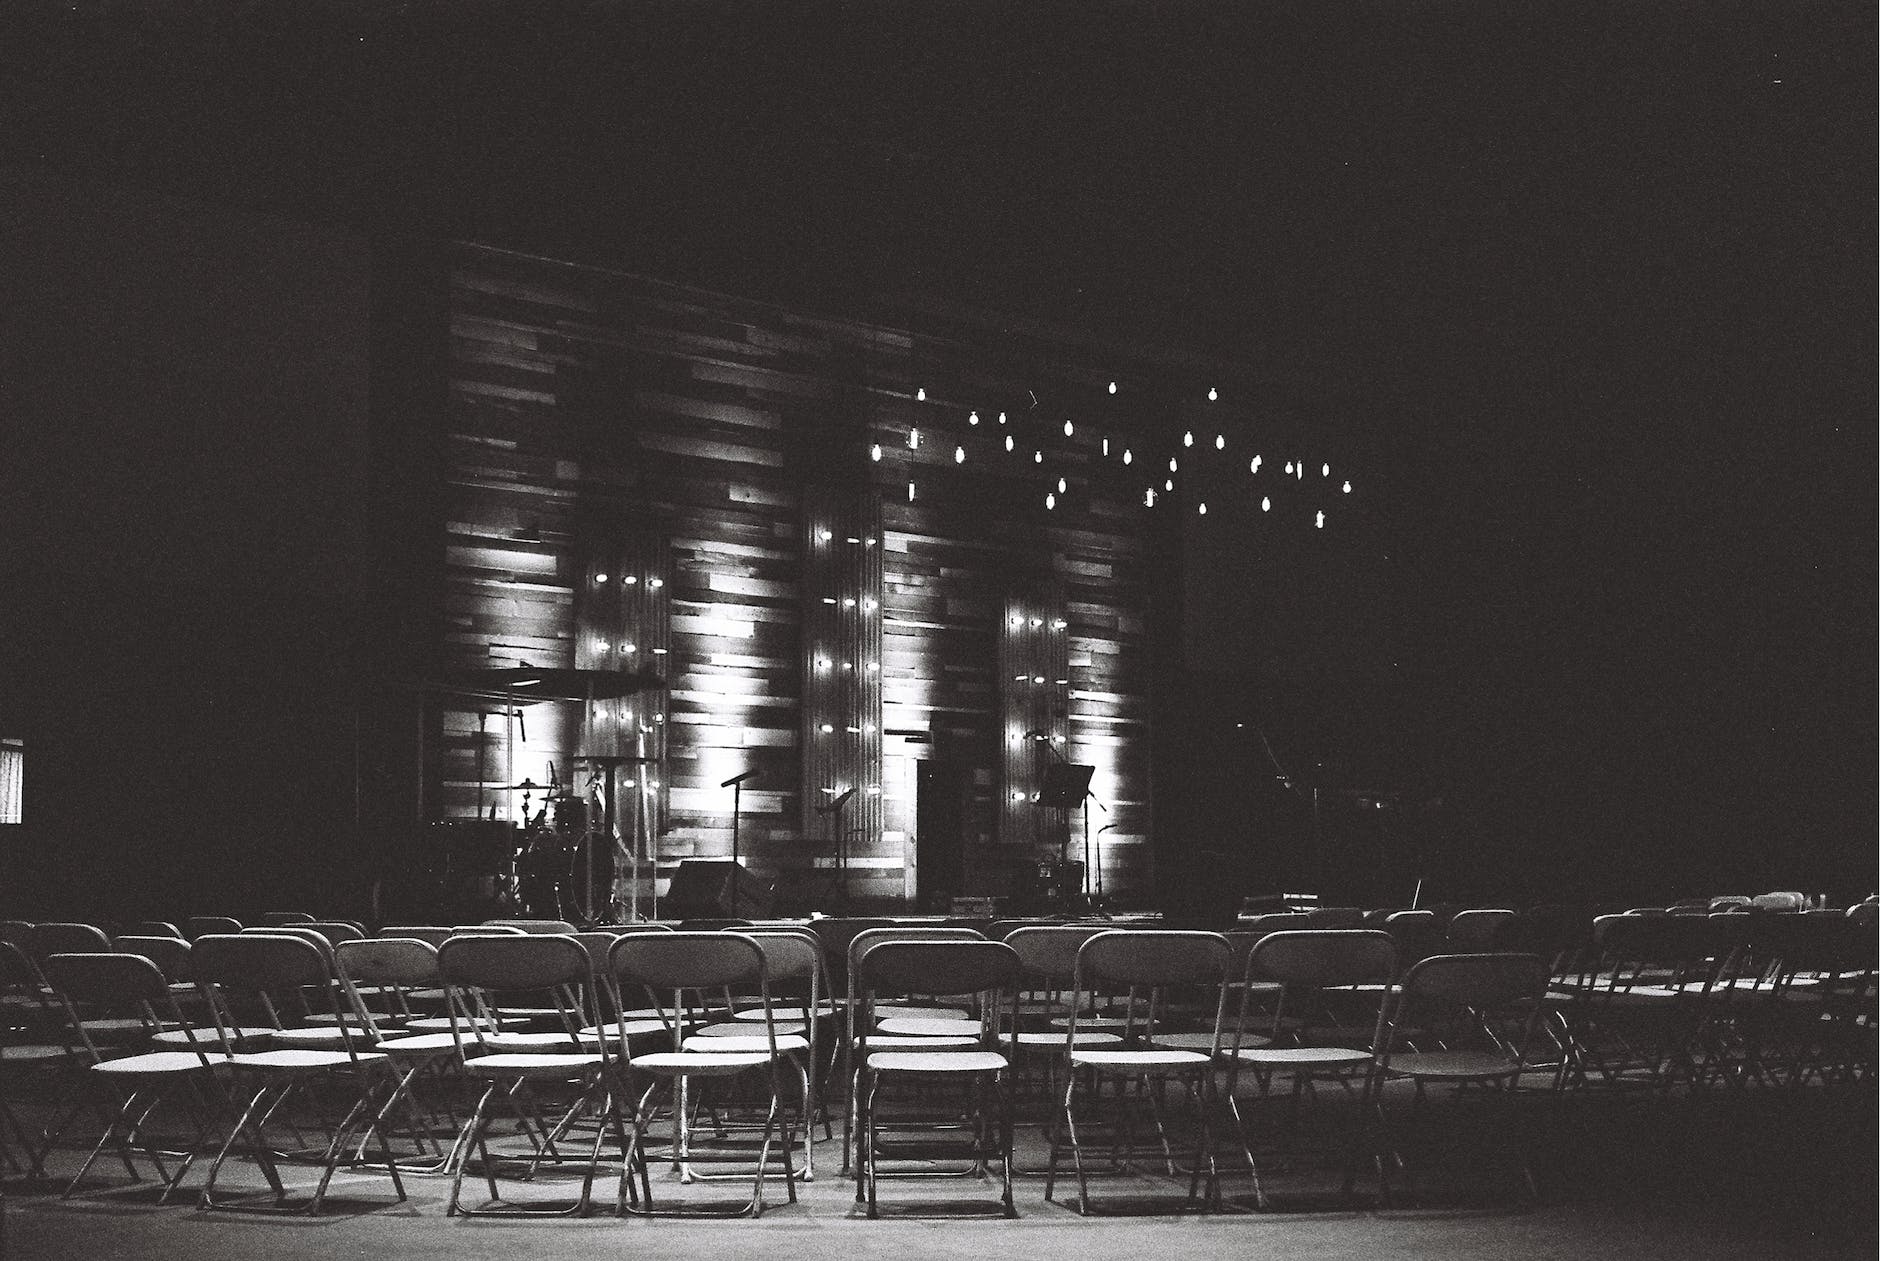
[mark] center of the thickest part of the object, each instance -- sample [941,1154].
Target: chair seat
[904,1041]
[34,1054]
[301,1061]
[699,1063]
[531,1043]
[1054,1041]
[423,1044]
[158,1064]
[785,1015]
[929,1026]
[1204,1041]
[936,1062]
[742,1029]
[1149,1061]
[441,1024]
[1093,1022]
[890,1010]
[631,1028]
[331,1038]
[1303,1056]
[209,1037]
[559,1066]
[735,1043]
[1452,1065]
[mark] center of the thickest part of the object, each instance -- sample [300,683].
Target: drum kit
[559,862]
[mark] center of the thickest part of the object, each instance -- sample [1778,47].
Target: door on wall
[942,791]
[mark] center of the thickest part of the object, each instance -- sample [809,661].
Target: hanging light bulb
[874,453]
[1169,484]
[910,492]
[913,437]
[1321,521]
[959,455]
[1112,387]
[600,578]
[1347,488]
[1001,418]
[1106,446]
[1171,466]
[1325,470]
[1037,457]
[1220,442]
[1128,456]
[1203,510]
[1148,497]
[1069,429]
[1008,442]
[1255,466]
[1213,394]
[1266,504]
[1289,468]
[973,419]
[1188,439]
[920,395]
[1050,500]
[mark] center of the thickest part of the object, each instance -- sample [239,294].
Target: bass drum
[542,874]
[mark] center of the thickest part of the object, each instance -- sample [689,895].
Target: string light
[1300,474]
[1037,457]
[599,578]
[1203,510]
[1128,456]
[874,453]
[1213,394]
[913,437]
[600,645]
[1061,486]
[1325,470]
[1001,418]
[1169,484]
[1289,468]
[1266,505]
[1172,466]
[630,579]
[973,419]
[1106,446]
[655,583]
[1347,488]
[959,455]
[1008,442]
[1015,621]
[1068,429]
[1220,442]
[1148,497]
[628,648]
[1188,439]
[910,492]
[824,536]
[1050,501]
[1255,466]
[1321,521]
[1112,387]
[920,395]
[1036,622]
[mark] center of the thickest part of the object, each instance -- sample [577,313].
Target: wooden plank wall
[848,544]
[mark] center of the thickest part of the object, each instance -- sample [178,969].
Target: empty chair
[281,973]
[202,925]
[1333,917]
[1305,1043]
[65,938]
[678,965]
[134,987]
[36,1049]
[1478,928]
[990,972]
[433,934]
[560,926]
[1143,967]
[515,1075]
[278,919]
[1480,1014]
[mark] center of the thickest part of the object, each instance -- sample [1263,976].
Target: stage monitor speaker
[704,888]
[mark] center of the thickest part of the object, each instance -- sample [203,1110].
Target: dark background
[1585,291]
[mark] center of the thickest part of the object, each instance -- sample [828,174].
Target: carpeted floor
[1764,1174]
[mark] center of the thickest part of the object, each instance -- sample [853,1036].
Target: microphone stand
[839,879]
[736,785]
[1093,871]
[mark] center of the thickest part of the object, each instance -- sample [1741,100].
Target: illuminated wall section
[1034,706]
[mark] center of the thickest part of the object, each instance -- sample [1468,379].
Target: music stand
[736,785]
[1066,784]
[839,878]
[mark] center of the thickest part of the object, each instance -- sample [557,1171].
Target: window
[12,772]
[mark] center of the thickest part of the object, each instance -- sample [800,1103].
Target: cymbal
[531,683]
[611,760]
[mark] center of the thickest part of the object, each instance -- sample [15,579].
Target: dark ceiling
[1593,282]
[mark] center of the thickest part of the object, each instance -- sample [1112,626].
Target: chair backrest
[943,966]
[1152,958]
[18,932]
[789,954]
[1479,928]
[277,919]
[334,930]
[66,938]
[518,961]
[431,933]
[1490,1001]
[1333,917]
[406,962]
[868,939]
[666,962]
[1048,952]
[1782,901]
[488,930]
[1477,980]
[152,928]
[707,924]
[170,954]
[256,962]
[202,925]
[1323,957]
[118,984]
[836,933]
[1270,922]
[556,927]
